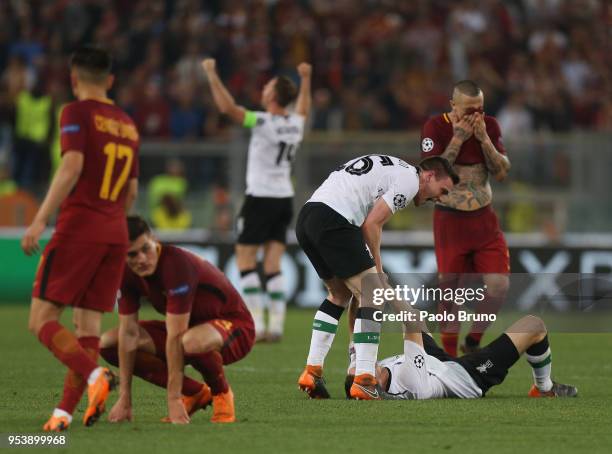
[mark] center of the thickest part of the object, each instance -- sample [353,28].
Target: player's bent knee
[109,338]
[498,285]
[194,343]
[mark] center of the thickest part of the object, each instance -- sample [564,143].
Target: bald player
[467,236]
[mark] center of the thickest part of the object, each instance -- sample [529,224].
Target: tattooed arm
[474,190]
[462,131]
[497,163]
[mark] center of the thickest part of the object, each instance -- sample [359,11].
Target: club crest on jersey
[419,361]
[182,290]
[399,200]
[484,366]
[260,121]
[427,145]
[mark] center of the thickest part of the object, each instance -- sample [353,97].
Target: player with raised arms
[82,265]
[207,325]
[276,135]
[340,228]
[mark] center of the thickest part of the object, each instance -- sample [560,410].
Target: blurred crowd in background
[378,64]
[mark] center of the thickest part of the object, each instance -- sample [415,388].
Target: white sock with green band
[366,337]
[324,329]
[277,304]
[253,297]
[540,359]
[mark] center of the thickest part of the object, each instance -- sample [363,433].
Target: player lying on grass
[207,325]
[425,371]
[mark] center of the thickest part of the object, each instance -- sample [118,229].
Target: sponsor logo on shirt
[182,290]
[427,145]
[70,129]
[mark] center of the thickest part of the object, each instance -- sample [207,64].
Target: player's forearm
[132,194]
[175,356]
[61,185]
[128,343]
[304,100]
[454,146]
[497,164]
[223,99]
[372,233]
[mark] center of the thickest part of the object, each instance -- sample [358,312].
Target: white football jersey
[352,189]
[274,143]
[417,375]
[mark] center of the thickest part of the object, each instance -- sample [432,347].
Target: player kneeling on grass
[207,325]
[425,371]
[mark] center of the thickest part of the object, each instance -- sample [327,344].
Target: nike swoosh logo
[373,395]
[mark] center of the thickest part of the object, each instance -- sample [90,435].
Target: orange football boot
[97,393]
[223,407]
[364,388]
[200,400]
[557,390]
[312,383]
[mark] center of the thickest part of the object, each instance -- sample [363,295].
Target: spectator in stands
[152,112]
[170,214]
[172,182]
[34,117]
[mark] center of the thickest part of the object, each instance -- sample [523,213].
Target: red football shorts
[238,337]
[469,242]
[83,275]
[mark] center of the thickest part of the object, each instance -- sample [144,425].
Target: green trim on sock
[320,325]
[276,295]
[251,290]
[366,338]
[542,363]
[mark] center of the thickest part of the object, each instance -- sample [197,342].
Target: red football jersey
[437,133]
[95,210]
[183,283]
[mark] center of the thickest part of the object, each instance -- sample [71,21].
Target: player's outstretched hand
[177,412]
[304,69]
[29,242]
[121,411]
[209,65]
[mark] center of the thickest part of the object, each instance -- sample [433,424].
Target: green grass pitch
[274,417]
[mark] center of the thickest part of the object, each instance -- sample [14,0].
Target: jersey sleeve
[431,143]
[129,297]
[179,279]
[495,135]
[401,191]
[73,129]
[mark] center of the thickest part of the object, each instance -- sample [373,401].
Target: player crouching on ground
[207,325]
[425,371]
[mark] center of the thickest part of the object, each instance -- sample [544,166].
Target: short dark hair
[93,63]
[137,226]
[441,168]
[467,87]
[285,90]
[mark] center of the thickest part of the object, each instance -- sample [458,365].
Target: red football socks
[65,346]
[74,384]
[210,365]
[152,369]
